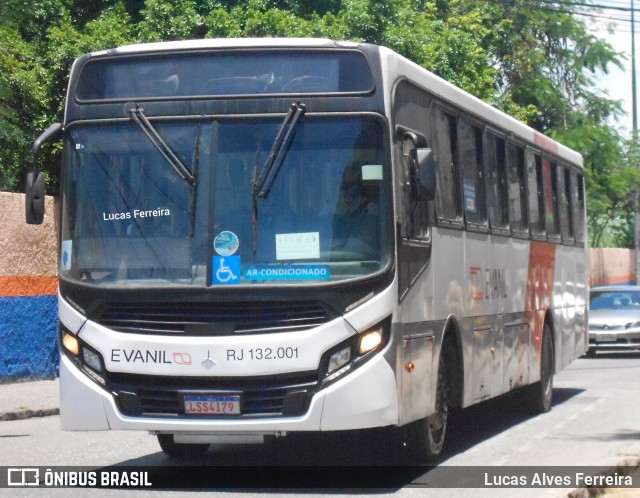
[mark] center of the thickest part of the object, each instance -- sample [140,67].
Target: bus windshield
[129,218]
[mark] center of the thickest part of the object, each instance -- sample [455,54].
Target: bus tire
[180,450]
[540,394]
[426,437]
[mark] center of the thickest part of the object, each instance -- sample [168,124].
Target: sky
[614,26]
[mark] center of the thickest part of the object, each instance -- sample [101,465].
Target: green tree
[612,197]
[254,18]
[23,104]
[164,20]
[450,46]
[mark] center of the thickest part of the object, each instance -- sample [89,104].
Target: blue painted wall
[28,337]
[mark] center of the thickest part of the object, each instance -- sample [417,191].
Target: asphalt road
[595,421]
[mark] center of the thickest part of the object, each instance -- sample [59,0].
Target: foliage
[613,197]
[532,59]
[23,103]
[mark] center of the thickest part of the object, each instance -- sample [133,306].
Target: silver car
[614,318]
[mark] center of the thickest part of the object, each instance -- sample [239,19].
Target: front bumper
[617,339]
[365,398]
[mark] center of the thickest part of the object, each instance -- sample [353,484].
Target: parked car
[614,318]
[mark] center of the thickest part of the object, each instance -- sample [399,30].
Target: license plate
[212,404]
[606,337]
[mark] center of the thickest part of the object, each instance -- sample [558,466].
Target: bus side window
[497,182]
[446,150]
[566,204]
[577,189]
[517,178]
[550,179]
[417,214]
[472,165]
[535,193]
[412,121]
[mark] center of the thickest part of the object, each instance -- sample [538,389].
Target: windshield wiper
[279,149]
[136,113]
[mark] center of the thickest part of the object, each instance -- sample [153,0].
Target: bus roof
[229,43]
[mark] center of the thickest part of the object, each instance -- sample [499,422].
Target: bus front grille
[212,319]
[155,396]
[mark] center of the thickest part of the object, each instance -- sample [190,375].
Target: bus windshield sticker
[226,243]
[304,245]
[372,172]
[65,254]
[288,272]
[469,196]
[226,270]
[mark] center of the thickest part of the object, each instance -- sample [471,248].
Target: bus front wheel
[180,450]
[426,437]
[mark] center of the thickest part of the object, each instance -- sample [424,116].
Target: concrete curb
[627,467]
[27,399]
[25,414]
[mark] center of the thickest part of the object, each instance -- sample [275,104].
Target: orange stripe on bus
[542,265]
[545,142]
[28,285]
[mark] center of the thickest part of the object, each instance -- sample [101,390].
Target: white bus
[271,236]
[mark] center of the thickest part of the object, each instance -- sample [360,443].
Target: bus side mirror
[34,198]
[34,187]
[426,173]
[51,134]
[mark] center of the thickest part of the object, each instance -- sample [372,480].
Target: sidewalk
[20,400]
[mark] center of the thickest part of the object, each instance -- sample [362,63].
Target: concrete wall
[610,266]
[28,286]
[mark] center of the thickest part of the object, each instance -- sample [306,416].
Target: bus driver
[357,217]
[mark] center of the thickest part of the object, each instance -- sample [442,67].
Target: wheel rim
[437,423]
[547,377]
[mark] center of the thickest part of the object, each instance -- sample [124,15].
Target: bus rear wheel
[540,394]
[426,437]
[180,450]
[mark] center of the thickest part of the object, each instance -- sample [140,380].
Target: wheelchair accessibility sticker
[226,270]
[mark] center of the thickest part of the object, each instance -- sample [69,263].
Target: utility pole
[634,111]
[634,135]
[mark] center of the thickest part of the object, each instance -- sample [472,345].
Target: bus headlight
[369,341]
[92,364]
[354,351]
[92,359]
[71,344]
[339,359]
[85,358]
